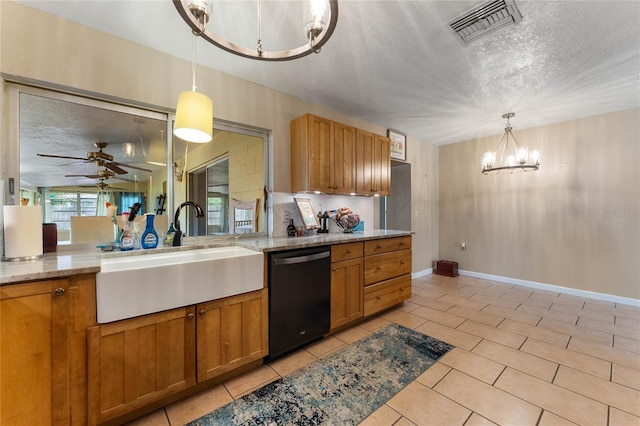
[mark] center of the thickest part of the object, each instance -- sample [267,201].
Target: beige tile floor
[522,357]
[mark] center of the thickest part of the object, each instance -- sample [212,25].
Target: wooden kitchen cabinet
[387,273]
[139,361]
[372,164]
[385,294]
[135,362]
[43,350]
[347,303]
[231,332]
[322,155]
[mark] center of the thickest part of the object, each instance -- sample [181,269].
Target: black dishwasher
[299,298]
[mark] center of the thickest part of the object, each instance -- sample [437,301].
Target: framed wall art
[398,145]
[309,218]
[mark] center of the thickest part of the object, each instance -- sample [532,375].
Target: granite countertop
[81,260]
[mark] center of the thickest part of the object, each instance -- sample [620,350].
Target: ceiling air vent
[484,19]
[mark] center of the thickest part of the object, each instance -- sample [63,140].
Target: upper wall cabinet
[372,164]
[329,157]
[322,156]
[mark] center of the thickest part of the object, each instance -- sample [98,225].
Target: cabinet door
[231,332]
[34,385]
[344,150]
[346,292]
[320,154]
[364,162]
[381,173]
[140,360]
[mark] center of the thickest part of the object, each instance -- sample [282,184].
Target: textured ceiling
[398,65]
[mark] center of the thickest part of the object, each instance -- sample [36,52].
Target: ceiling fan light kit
[510,157]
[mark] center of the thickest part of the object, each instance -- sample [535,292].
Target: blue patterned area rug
[343,388]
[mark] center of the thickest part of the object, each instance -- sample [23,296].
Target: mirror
[77,154]
[74,176]
[219,176]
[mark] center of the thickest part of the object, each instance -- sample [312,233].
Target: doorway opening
[395,209]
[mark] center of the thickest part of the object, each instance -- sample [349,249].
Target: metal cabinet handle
[59,291]
[348,251]
[190,315]
[202,312]
[334,269]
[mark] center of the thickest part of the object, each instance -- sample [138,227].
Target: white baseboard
[419,274]
[556,288]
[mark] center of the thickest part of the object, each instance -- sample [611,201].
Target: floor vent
[485,19]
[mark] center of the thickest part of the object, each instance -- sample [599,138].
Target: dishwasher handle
[301,259]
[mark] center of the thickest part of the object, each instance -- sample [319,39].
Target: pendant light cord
[259,47]
[193,63]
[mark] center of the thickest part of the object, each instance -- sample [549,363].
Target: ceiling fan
[101,158]
[103,186]
[103,175]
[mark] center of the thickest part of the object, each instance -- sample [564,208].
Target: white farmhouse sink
[138,285]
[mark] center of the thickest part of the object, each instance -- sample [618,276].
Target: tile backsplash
[284,208]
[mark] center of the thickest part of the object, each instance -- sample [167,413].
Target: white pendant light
[194,113]
[194,117]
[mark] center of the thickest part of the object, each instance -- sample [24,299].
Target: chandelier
[319,21]
[510,157]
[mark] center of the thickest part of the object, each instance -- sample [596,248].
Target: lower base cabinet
[138,361]
[231,332]
[135,362]
[43,350]
[368,277]
[346,292]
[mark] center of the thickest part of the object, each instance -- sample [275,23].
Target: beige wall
[574,223]
[424,203]
[61,52]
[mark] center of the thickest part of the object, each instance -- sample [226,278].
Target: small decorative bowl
[348,222]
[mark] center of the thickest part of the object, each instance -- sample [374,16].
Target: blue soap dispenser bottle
[149,237]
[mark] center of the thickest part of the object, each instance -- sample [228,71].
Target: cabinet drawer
[385,245]
[387,265]
[347,251]
[386,294]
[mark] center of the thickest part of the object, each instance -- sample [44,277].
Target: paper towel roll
[22,231]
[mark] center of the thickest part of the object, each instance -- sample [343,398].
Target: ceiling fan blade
[114,167]
[87,176]
[125,179]
[61,156]
[129,166]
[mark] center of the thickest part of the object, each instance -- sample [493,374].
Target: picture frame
[398,145]
[309,218]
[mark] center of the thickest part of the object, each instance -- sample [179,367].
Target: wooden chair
[243,216]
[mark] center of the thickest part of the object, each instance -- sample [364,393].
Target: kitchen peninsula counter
[66,262]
